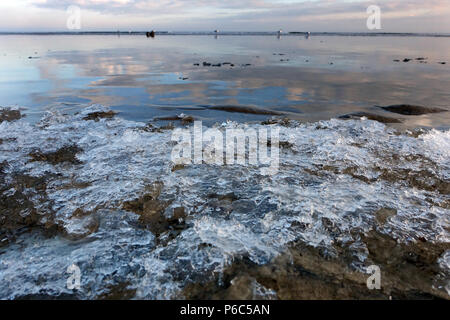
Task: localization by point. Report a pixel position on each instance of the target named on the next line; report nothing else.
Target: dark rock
(442, 62)
(178, 167)
(187, 119)
(96, 116)
(384, 214)
(285, 122)
(206, 64)
(411, 110)
(183, 118)
(370, 116)
(150, 34)
(406, 60)
(65, 154)
(151, 211)
(119, 291)
(305, 272)
(9, 115)
(230, 197)
(18, 213)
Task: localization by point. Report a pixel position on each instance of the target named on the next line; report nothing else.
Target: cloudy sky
(229, 15)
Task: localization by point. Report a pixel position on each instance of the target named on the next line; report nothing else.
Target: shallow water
(143, 78)
(333, 177)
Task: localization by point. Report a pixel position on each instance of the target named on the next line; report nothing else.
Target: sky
(227, 15)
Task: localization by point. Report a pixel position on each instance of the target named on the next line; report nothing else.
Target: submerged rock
(411, 110)
(243, 109)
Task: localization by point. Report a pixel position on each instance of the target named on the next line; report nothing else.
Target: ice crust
(327, 190)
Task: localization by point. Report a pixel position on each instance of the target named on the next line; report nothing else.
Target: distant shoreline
(202, 33)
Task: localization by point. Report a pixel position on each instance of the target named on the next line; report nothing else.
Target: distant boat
(216, 31)
(150, 34)
(280, 31)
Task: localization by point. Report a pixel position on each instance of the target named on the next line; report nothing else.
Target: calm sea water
(309, 79)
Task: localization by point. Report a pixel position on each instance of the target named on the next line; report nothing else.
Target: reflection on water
(308, 79)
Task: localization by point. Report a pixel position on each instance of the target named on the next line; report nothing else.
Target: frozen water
(331, 180)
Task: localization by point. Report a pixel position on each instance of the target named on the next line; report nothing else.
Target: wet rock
(407, 268)
(150, 34)
(301, 272)
(65, 154)
(384, 214)
(421, 59)
(18, 212)
(230, 197)
(178, 167)
(305, 272)
(216, 65)
(119, 291)
(152, 212)
(151, 128)
(406, 60)
(206, 64)
(442, 62)
(96, 116)
(242, 109)
(411, 110)
(370, 116)
(80, 225)
(9, 115)
(396, 60)
(282, 144)
(285, 122)
(185, 119)
(420, 179)
(196, 64)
